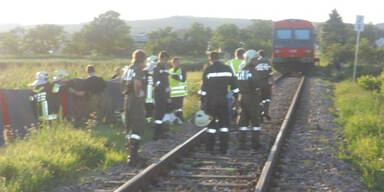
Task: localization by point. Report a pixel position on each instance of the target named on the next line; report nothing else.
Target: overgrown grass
(61, 153)
(191, 102)
(57, 153)
(361, 116)
(19, 72)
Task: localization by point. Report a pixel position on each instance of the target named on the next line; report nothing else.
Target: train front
(293, 46)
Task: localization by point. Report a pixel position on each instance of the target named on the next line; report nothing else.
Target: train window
(302, 34)
(284, 34)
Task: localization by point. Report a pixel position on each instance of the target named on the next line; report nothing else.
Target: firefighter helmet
(59, 75)
(41, 78)
(201, 119)
(249, 55)
(152, 61)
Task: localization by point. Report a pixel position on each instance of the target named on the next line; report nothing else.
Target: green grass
(361, 116)
(49, 157)
(57, 153)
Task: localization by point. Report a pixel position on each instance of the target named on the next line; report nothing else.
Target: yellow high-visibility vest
(178, 88)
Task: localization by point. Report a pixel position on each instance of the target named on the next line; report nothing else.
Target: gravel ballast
(309, 160)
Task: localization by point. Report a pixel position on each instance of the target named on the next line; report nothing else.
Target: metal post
(356, 56)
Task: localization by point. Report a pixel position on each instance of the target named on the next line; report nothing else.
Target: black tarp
(21, 113)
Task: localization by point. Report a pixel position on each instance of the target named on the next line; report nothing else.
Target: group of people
(152, 92)
(234, 95)
(48, 98)
(243, 82)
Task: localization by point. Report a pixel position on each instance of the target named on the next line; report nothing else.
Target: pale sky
(28, 12)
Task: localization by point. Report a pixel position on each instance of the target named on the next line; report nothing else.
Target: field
(59, 152)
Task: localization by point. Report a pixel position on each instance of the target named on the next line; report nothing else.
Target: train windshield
(284, 34)
(302, 34)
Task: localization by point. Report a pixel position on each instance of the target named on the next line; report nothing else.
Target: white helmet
(41, 78)
(249, 55)
(59, 75)
(152, 61)
(201, 119)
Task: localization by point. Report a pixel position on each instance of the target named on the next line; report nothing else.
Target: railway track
(189, 168)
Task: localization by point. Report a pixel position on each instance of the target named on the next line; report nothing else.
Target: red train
(293, 45)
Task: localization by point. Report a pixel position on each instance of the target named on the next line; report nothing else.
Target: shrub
(370, 82)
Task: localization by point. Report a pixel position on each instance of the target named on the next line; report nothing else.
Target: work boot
(255, 137)
(179, 116)
(135, 159)
(210, 143)
(224, 139)
(242, 137)
(157, 132)
(265, 112)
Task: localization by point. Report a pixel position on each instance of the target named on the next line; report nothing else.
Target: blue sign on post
(359, 25)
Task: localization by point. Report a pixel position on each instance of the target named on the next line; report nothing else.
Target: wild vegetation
(59, 152)
(358, 106)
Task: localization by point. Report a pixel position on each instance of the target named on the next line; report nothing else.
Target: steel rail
(138, 182)
(271, 162)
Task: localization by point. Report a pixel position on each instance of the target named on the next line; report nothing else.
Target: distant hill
(182, 22)
(7, 27)
(145, 26)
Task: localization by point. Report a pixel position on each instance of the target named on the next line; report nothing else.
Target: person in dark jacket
(134, 84)
(217, 77)
(161, 94)
(250, 84)
(93, 89)
(265, 72)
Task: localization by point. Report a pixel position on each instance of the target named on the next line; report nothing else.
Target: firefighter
(216, 79)
(42, 98)
(161, 94)
(248, 80)
(149, 101)
(265, 71)
(133, 80)
(178, 86)
(235, 66)
(59, 86)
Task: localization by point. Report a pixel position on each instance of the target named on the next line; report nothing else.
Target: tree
(44, 39)
(196, 39)
(163, 39)
(77, 45)
(107, 34)
(10, 43)
(226, 37)
(258, 35)
(334, 31)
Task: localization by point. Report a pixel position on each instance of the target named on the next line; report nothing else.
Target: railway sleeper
(236, 177)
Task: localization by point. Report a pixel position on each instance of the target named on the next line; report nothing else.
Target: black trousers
(217, 108)
(266, 92)
(177, 106)
(134, 115)
(250, 110)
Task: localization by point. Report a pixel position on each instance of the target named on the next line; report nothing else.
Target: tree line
(108, 35)
(338, 39)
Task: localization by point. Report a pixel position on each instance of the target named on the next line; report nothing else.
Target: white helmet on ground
(249, 55)
(41, 78)
(201, 119)
(59, 75)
